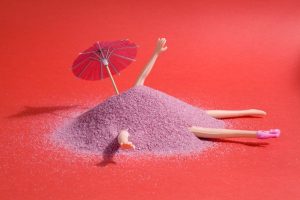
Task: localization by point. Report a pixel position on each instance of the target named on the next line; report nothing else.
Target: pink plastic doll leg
(231, 133)
(222, 114)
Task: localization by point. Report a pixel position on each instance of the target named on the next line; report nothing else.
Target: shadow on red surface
(31, 110)
(252, 144)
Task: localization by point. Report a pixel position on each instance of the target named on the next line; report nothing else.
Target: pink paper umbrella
(104, 59)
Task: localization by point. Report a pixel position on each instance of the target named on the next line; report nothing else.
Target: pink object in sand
(273, 133)
(157, 123)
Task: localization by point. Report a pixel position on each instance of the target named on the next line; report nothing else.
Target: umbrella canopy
(104, 59)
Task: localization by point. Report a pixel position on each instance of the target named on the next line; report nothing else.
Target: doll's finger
(164, 49)
(161, 41)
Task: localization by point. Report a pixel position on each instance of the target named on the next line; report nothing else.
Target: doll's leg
(221, 114)
(123, 140)
(231, 133)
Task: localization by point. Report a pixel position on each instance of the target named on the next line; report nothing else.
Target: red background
(222, 54)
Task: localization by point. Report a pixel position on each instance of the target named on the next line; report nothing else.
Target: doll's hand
(127, 145)
(160, 46)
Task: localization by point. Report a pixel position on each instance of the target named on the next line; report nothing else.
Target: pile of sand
(157, 123)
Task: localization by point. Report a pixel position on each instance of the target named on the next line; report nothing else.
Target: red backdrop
(222, 54)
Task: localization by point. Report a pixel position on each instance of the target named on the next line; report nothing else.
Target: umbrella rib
(78, 64)
(133, 47)
(94, 59)
(107, 56)
(97, 55)
(125, 65)
(108, 49)
(124, 57)
(100, 48)
(84, 69)
(101, 71)
(128, 47)
(115, 69)
(89, 74)
(87, 52)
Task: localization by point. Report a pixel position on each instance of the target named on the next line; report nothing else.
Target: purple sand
(157, 123)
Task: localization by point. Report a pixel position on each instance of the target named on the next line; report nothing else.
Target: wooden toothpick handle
(112, 79)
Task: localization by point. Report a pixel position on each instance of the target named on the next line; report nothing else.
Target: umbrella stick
(112, 80)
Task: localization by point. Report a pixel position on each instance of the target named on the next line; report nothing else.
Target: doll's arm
(160, 47)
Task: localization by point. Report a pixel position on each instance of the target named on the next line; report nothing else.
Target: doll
(202, 132)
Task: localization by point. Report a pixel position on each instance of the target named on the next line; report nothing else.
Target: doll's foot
(273, 133)
(127, 145)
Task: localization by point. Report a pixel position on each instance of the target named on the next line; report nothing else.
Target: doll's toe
(275, 132)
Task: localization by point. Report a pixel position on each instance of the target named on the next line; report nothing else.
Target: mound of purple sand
(157, 123)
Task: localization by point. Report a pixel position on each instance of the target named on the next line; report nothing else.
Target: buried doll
(201, 132)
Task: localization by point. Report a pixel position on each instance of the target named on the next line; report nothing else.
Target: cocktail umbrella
(104, 59)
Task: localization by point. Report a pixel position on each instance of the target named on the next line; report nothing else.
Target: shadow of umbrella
(31, 110)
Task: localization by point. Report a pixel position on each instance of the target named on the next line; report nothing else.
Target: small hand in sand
(124, 141)
(127, 145)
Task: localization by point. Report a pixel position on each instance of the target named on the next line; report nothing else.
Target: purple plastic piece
(273, 133)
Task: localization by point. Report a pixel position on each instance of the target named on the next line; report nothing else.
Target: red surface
(222, 54)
